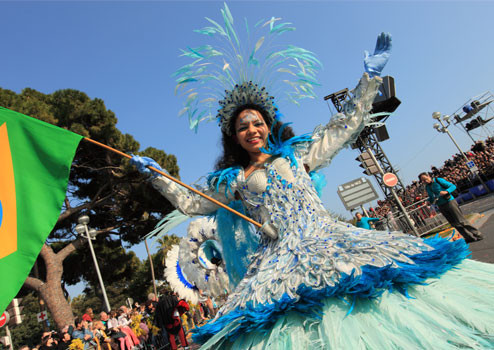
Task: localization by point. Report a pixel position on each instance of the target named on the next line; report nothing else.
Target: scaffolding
(481, 106)
(371, 135)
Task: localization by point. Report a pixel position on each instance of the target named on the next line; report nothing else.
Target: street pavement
(481, 213)
(484, 249)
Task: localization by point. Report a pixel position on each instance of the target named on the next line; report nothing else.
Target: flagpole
(190, 188)
(152, 267)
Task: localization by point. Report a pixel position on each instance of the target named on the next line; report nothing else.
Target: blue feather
(238, 241)
(182, 278)
(285, 149)
(319, 182)
(370, 284)
(247, 62)
(227, 175)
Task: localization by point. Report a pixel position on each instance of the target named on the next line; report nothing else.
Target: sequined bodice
(279, 194)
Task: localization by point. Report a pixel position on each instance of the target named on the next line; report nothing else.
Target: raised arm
(344, 128)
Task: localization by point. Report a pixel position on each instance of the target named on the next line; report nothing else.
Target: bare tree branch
(67, 203)
(33, 283)
(96, 169)
(46, 252)
(92, 203)
(69, 248)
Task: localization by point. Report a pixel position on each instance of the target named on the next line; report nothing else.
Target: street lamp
(444, 129)
(82, 228)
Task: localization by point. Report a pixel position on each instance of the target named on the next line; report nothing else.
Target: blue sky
(126, 52)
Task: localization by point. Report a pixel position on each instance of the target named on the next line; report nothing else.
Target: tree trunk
(51, 290)
(59, 307)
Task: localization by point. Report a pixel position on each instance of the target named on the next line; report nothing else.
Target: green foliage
(30, 330)
(141, 285)
(114, 261)
(135, 284)
(116, 292)
(166, 243)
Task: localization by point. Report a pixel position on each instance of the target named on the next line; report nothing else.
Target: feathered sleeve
(343, 128)
(189, 203)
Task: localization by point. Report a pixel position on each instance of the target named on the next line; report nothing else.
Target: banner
(35, 160)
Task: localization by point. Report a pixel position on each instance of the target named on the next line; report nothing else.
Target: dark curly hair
(233, 153)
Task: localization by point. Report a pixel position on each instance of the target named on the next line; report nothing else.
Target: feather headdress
(239, 69)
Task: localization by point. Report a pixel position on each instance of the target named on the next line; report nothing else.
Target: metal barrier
(425, 219)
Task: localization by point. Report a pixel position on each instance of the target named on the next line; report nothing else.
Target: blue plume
(284, 149)
(182, 278)
(234, 57)
(319, 182)
(238, 241)
(370, 284)
(227, 176)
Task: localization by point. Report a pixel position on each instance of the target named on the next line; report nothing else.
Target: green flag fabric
(35, 160)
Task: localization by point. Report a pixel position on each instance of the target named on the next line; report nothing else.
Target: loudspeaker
(386, 100)
(387, 89)
(381, 133)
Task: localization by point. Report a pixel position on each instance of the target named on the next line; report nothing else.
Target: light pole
(82, 228)
(395, 195)
(444, 129)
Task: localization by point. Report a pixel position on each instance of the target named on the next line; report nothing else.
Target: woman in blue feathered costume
(313, 281)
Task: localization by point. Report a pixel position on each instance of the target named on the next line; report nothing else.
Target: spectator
(364, 222)
(102, 339)
(47, 342)
(103, 316)
(124, 322)
(168, 317)
(88, 316)
(144, 307)
(439, 190)
(115, 333)
(82, 332)
(152, 300)
(65, 340)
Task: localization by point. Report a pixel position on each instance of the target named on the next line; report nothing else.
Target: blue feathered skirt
(449, 309)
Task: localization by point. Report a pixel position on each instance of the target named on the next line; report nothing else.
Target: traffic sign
(4, 319)
(356, 192)
(473, 168)
(390, 179)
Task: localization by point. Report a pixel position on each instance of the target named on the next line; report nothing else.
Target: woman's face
(251, 131)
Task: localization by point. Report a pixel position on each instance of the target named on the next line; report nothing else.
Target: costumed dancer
(313, 281)
(168, 311)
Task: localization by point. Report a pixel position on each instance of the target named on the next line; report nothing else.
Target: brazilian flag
(35, 159)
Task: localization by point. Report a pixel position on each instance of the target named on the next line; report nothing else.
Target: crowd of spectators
(454, 170)
(159, 323)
